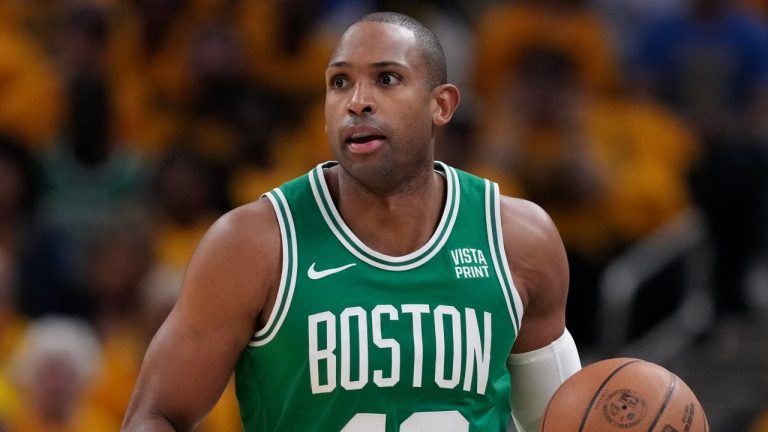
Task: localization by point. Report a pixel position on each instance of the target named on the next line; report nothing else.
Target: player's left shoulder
(534, 249)
(525, 221)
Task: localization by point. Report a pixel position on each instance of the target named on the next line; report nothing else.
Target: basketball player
(381, 292)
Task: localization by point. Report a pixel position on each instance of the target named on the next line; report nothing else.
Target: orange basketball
(624, 395)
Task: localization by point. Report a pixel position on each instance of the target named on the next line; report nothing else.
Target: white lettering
(385, 343)
(467, 256)
(481, 258)
(456, 256)
(362, 346)
(416, 310)
(316, 355)
(439, 314)
(469, 358)
(471, 272)
(475, 350)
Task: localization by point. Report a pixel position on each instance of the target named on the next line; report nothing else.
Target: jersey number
(428, 421)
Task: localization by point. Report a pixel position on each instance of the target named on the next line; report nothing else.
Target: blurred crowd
(128, 126)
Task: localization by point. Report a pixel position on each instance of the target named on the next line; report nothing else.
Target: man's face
(379, 105)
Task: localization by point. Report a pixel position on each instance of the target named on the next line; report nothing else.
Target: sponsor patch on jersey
(469, 263)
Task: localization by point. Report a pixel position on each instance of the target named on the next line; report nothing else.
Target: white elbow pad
(535, 377)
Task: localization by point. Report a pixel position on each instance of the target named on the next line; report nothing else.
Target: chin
(367, 171)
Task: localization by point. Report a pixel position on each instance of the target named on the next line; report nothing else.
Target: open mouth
(363, 138)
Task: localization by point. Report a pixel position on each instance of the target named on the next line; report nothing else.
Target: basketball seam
(599, 389)
(672, 387)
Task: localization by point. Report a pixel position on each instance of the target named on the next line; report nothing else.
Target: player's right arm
(227, 293)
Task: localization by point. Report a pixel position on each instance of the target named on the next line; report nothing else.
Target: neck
(394, 223)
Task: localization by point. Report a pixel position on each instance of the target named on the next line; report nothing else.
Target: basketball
(624, 394)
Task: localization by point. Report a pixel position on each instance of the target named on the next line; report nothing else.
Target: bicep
(539, 269)
(191, 357)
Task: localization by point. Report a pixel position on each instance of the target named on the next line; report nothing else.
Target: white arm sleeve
(535, 377)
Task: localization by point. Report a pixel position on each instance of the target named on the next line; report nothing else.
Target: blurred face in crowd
(55, 387)
(183, 186)
(547, 88)
(81, 42)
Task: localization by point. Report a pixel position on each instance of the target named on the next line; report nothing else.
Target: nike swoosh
(319, 274)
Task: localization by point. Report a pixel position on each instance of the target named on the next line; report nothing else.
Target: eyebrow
(376, 65)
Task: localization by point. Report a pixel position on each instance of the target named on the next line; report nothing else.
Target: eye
(389, 78)
(338, 81)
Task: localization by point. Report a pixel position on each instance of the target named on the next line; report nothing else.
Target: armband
(536, 375)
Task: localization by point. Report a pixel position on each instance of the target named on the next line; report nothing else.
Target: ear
(446, 99)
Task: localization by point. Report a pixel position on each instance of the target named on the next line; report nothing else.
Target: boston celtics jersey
(360, 341)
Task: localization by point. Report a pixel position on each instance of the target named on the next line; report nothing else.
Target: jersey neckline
(377, 259)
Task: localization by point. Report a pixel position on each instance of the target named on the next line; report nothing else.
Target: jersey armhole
(288, 270)
(498, 253)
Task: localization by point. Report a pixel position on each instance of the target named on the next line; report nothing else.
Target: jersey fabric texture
(362, 341)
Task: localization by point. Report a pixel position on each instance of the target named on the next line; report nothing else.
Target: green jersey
(360, 341)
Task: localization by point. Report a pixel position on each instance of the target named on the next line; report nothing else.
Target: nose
(362, 100)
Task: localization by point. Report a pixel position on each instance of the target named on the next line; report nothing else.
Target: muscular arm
(539, 269)
(226, 293)
(544, 354)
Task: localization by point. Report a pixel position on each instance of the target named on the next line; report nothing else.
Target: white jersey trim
(496, 243)
(288, 271)
(370, 256)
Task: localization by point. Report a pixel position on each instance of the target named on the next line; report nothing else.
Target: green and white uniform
(364, 342)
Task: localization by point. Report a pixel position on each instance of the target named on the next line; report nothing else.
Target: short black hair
(431, 51)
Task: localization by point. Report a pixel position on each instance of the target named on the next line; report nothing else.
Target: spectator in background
(608, 170)
(19, 193)
(188, 195)
(34, 255)
(128, 302)
(52, 371)
(287, 46)
(87, 176)
(87, 171)
(508, 29)
(117, 261)
(625, 20)
(287, 43)
(19, 179)
(147, 54)
(230, 118)
(710, 64)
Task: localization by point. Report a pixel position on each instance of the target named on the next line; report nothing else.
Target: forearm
(535, 377)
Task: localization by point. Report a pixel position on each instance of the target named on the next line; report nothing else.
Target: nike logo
(319, 274)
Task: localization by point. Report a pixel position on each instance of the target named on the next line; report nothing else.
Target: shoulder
(527, 228)
(240, 255)
(252, 226)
